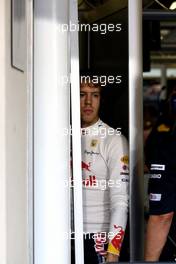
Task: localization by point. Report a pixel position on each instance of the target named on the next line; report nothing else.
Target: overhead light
(173, 6)
(165, 32)
(166, 4)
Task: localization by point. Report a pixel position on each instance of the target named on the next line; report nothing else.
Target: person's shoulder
(113, 135)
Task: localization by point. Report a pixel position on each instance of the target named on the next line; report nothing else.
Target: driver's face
(89, 104)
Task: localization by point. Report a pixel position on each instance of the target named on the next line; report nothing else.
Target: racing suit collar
(92, 127)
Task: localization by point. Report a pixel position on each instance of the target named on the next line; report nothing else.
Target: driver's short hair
(88, 78)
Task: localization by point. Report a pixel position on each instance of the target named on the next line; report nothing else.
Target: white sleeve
(118, 165)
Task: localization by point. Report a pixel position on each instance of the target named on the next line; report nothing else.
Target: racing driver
(105, 176)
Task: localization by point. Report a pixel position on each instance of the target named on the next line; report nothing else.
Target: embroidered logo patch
(94, 143)
(125, 159)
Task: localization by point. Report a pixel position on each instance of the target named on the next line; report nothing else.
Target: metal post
(159, 15)
(136, 131)
(76, 138)
(163, 75)
(51, 142)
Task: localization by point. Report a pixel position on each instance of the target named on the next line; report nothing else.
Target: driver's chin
(88, 120)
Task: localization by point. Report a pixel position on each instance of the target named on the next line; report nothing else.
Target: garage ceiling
(93, 10)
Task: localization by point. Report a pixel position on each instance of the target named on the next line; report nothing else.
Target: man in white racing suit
(105, 175)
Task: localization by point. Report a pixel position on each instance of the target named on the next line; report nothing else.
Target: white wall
(2, 136)
(13, 150)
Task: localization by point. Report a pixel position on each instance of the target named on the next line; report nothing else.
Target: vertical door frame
(136, 131)
(76, 135)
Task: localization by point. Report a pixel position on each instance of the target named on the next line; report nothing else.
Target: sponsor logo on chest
(155, 197)
(157, 167)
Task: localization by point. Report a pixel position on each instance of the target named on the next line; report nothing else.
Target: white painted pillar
(51, 146)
